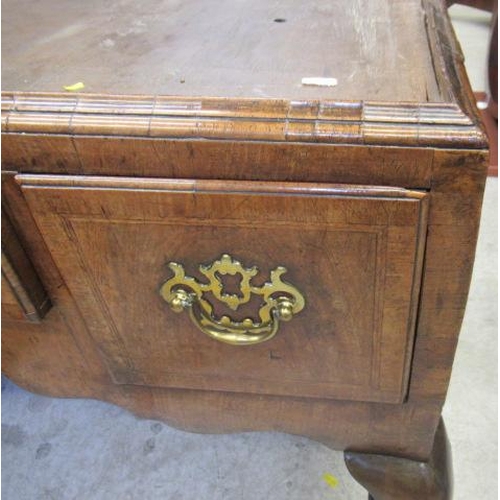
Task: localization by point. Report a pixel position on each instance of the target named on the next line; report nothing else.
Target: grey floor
(87, 450)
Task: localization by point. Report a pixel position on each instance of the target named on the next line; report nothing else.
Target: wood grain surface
(200, 159)
(354, 253)
(194, 137)
(402, 80)
(309, 121)
(220, 48)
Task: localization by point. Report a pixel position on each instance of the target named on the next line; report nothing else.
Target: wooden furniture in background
(196, 139)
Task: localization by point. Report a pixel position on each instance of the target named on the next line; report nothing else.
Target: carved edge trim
(448, 61)
(334, 122)
(58, 181)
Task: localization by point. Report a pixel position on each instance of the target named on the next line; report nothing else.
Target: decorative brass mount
(281, 301)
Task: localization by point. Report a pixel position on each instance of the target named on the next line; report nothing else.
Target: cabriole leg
(393, 478)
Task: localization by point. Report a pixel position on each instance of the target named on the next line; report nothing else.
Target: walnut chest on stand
(198, 232)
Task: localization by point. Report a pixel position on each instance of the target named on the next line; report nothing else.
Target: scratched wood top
(377, 49)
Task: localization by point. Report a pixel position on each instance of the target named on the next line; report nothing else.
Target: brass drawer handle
(281, 301)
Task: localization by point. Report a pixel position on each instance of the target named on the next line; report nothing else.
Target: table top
(377, 49)
(234, 69)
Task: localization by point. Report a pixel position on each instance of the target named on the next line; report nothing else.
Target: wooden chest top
(397, 65)
(377, 50)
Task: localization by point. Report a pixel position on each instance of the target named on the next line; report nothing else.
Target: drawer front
(353, 253)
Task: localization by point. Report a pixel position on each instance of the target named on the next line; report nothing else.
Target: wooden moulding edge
(448, 62)
(275, 120)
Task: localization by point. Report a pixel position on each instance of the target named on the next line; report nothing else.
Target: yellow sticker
(75, 87)
(330, 480)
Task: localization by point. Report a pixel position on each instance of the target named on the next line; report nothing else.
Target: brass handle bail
(281, 301)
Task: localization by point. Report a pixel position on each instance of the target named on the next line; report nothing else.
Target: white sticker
(320, 81)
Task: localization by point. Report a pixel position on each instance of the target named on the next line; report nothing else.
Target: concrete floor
(87, 450)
